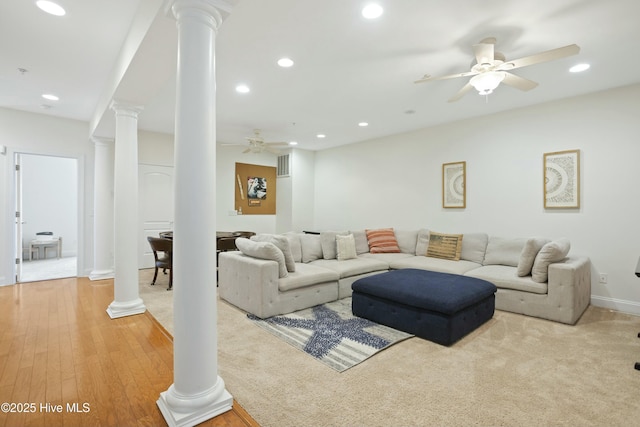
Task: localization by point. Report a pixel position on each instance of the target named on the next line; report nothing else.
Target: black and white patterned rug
(332, 334)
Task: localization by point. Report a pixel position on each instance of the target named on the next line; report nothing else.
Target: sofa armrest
(569, 287)
(250, 284)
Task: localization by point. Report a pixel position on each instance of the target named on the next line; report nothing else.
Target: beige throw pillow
(263, 250)
(346, 247)
(552, 252)
(445, 246)
(529, 253)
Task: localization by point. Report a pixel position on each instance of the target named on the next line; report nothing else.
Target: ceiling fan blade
(518, 82)
(273, 144)
(428, 78)
(466, 88)
(483, 53)
(246, 151)
(549, 55)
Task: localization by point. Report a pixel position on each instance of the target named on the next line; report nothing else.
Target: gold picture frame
(454, 185)
(561, 179)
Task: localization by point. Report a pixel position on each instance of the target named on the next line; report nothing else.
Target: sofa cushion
(362, 244)
(505, 277)
(552, 252)
(387, 257)
(422, 242)
(434, 264)
(263, 250)
(382, 240)
(352, 267)
(504, 251)
(294, 245)
(474, 246)
(528, 255)
(311, 247)
(307, 275)
(406, 240)
(345, 247)
(282, 243)
(445, 246)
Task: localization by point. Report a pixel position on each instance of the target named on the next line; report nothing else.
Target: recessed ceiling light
(51, 7)
(285, 62)
(372, 11)
(293, 143)
(363, 124)
(579, 68)
(242, 88)
(50, 97)
(321, 135)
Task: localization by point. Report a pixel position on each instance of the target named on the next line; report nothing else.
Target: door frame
(10, 247)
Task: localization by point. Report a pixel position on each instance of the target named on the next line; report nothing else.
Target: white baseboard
(624, 306)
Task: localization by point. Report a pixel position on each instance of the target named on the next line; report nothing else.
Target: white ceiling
(347, 69)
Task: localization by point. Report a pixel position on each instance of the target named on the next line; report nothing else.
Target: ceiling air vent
(284, 166)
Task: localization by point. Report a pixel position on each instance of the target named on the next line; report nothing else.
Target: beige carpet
(513, 371)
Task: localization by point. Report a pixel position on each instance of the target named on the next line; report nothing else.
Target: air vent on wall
(284, 167)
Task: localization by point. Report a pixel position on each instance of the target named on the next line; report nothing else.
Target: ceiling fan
(257, 144)
(490, 68)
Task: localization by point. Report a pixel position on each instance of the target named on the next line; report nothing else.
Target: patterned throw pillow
(445, 246)
(382, 240)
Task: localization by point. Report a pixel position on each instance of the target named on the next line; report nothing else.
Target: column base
(128, 308)
(101, 274)
(181, 411)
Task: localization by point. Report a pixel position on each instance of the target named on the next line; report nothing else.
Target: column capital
(125, 109)
(101, 140)
(211, 12)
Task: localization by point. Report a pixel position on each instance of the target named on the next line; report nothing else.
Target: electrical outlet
(603, 278)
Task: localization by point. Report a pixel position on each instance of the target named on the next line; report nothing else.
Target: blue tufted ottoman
(436, 306)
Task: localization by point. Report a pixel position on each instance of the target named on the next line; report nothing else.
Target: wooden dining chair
(163, 255)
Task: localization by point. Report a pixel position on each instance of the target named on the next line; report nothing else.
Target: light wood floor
(59, 346)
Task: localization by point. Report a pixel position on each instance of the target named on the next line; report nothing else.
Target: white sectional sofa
(273, 275)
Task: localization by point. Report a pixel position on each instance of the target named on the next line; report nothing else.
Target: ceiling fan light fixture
(485, 83)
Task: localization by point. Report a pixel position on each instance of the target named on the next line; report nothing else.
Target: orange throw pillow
(382, 240)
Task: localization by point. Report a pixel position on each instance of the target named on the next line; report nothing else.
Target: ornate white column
(102, 210)
(127, 299)
(197, 393)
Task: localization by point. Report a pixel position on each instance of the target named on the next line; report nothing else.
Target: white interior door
(156, 207)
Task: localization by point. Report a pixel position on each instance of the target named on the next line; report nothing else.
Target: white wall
(50, 200)
(40, 134)
(397, 182)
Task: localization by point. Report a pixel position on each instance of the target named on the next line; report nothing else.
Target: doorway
(47, 226)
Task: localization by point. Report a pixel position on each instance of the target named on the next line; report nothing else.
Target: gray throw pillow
(263, 250)
(529, 253)
(311, 247)
(282, 243)
(552, 252)
(422, 242)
